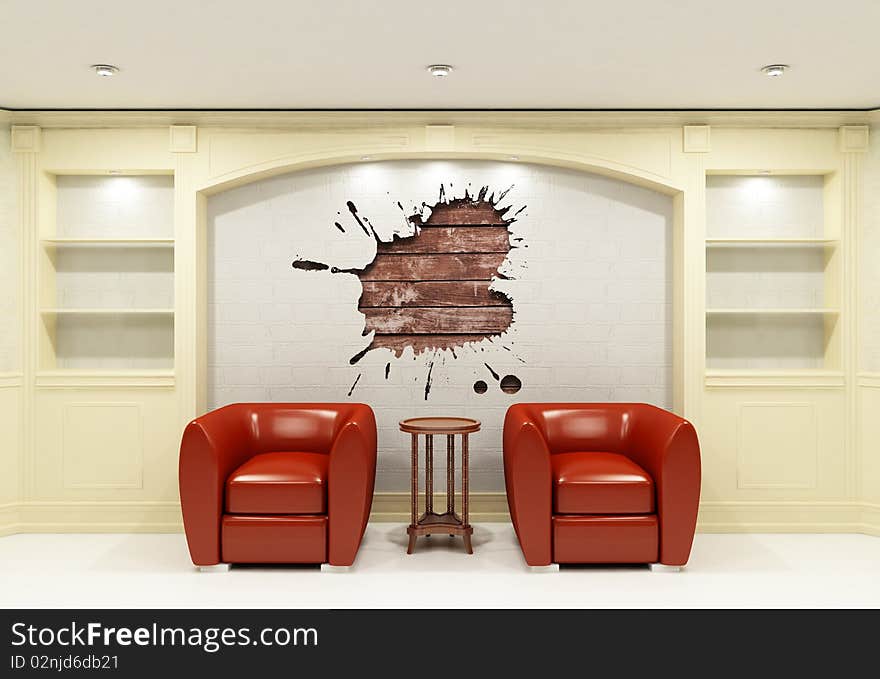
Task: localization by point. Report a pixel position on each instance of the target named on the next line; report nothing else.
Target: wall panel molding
(697, 138)
(183, 138)
(869, 380)
(9, 519)
(26, 138)
(854, 138)
(342, 119)
(118, 428)
(787, 461)
(11, 380)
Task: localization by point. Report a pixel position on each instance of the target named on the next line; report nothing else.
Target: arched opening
(590, 277)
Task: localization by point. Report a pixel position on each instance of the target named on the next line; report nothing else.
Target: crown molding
(511, 119)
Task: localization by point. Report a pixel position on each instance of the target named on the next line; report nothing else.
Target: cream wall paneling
(641, 148)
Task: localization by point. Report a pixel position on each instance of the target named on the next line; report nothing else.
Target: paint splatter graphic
(431, 284)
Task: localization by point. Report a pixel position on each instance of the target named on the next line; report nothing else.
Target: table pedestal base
(448, 523)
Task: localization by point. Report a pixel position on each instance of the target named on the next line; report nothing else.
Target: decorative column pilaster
(26, 144)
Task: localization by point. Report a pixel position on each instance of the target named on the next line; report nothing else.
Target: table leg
(464, 480)
(414, 518)
(450, 473)
(467, 543)
(429, 474)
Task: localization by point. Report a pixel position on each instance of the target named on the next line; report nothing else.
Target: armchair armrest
(351, 478)
(666, 446)
(212, 446)
(528, 479)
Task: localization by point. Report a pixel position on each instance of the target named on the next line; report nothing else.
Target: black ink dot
(480, 387)
(510, 384)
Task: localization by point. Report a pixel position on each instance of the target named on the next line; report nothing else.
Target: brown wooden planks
(397, 343)
(465, 212)
(473, 239)
(438, 320)
(445, 267)
(430, 294)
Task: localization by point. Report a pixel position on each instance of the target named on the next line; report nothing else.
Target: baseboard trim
(780, 517)
(870, 519)
(483, 507)
(100, 517)
(9, 519)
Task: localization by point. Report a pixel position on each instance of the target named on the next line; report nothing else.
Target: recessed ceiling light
(775, 70)
(105, 70)
(513, 157)
(366, 157)
(440, 70)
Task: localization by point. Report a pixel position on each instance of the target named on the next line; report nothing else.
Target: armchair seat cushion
(600, 483)
(279, 483)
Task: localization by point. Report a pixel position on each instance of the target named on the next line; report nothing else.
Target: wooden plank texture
(465, 267)
(460, 239)
(438, 320)
(430, 294)
(465, 212)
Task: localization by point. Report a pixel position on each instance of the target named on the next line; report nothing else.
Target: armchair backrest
(302, 427)
(571, 427)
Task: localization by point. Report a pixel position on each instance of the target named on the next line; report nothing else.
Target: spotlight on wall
(105, 70)
(774, 70)
(440, 70)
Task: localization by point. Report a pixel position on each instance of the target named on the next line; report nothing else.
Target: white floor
(135, 570)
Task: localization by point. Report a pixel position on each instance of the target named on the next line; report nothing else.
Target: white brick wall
(591, 299)
(870, 262)
(10, 328)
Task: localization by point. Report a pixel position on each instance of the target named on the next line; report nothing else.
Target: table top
(440, 425)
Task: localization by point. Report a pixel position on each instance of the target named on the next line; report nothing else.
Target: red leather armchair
(601, 482)
(278, 482)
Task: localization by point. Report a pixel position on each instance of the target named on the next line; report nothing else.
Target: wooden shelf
(772, 312)
(115, 242)
(797, 378)
(90, 312)
(758, 242)
(65, 378)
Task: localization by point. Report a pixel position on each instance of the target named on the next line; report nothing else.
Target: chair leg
(215, 568)
(329, 568)
(663, 568)
(552, 568)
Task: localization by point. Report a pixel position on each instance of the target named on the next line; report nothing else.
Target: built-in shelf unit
(772, 274)
(106, 263)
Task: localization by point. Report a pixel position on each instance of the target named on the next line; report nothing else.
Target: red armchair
(601, 483)
(278, 483)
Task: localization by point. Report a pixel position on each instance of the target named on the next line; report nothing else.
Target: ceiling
(516, 54)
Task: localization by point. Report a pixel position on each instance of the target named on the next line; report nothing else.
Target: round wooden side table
(430, 521)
